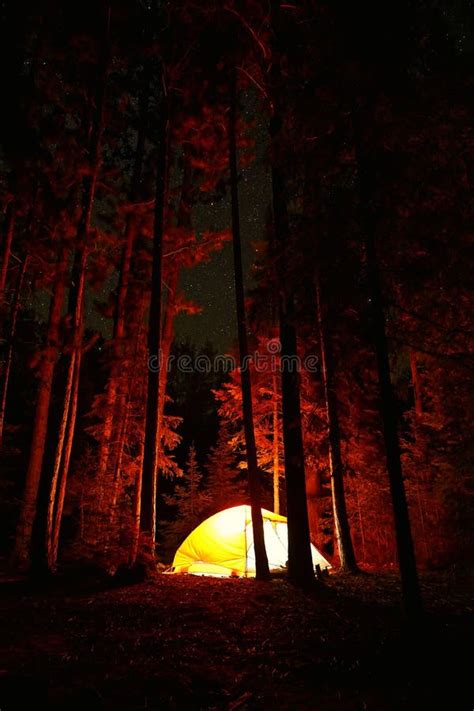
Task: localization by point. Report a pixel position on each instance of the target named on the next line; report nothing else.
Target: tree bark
(10, 215)
(276, 448)
(65, 441)
(300, 564)
(137, 499)
(57, 468)
(167, 338)
(21, 553)
(406, 554)
(361, 524)
(123, 422)
(420, 481)
(130, 232)
(11, 338)
(261, 561)
(169, 312)
(152, 434)
(415, 379)
(53, 538)
(345, 548)
(121, 449)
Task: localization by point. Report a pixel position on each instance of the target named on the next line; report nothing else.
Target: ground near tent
(206, 643)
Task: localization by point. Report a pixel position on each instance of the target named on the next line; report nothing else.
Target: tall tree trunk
(57, 464)
(21, 553)
(9, 225)
(152, 434)
(361, 523)
(123, 420)
(53, 537)
(132, 360)
(341, 522)
(169, 312)
(14, 311)
(261, 561)
(406, 554)
(11, 339)
(415, 379)
(65, 441)
(276, 447)
(165, 349)
(137, 500)
(300, 564)
(121, 450)
(420, 481)
(57, 488)
(167, 338)
(130, 232)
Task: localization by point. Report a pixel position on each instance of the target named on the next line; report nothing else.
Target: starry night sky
(212, 285)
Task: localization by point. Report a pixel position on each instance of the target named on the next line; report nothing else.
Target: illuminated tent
(223, 545)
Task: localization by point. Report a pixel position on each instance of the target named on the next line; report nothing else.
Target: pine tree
(190, 502)
(223, 483)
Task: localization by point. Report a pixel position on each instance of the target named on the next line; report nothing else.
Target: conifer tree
(190, 501)
(224, 482)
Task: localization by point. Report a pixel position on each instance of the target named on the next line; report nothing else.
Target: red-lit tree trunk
(120, 452)
(11, 338)
(62, 460)
(276, 447)
(173, 273)
(420, 482)
(300, 564)
(57, 463)
(406, 553)
(166, 340)
(136, 510)
(21, 552)
(136, 505)
(123, 421)
(167, 336)
(58, 483)
(61, 481)
(361, 523)
(261, 561)
(152, 434)
(345, 548)
(167, 332)
(9, 228)
(415, 380)
(111, 414)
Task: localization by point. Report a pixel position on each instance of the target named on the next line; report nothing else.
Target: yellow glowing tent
(223, 545)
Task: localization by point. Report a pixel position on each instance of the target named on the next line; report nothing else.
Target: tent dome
(223, 545)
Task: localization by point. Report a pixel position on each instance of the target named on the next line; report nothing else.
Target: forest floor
(202, 643)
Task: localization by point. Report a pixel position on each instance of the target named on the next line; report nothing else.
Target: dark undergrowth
(203, 643)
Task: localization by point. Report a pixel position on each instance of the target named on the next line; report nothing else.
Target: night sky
(212, 285)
